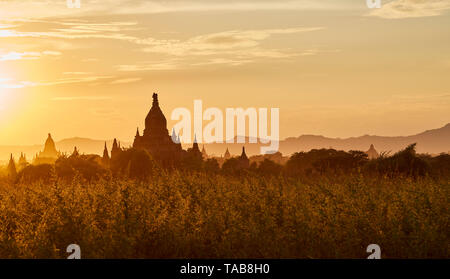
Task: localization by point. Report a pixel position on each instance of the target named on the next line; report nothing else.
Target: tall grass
(179, 215)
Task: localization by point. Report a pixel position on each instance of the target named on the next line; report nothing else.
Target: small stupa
(372, 153)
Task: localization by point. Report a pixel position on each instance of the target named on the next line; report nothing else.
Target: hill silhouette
(432, 141)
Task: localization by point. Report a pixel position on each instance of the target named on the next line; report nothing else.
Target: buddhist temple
(49, 154)
(227, 155)
(11, 169)
(372, 153)
(243, 159)
(156, 139)
(204, 154)
(105, 158)
(22, 162)
(115, 150)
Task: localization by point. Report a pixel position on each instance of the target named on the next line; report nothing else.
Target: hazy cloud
(398, 9)
(125, 80)
(27, 55)
(81, 98)
(160, 66)
(233, 47)
(39, 9)
(77, 73)
(223, 42)
(9, 83)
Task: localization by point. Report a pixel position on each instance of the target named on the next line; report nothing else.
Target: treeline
(139, 165)
(406, 163)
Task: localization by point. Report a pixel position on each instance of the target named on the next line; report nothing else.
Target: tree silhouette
(133, 163)
(87, 166)
(32, 173)
(211, 166)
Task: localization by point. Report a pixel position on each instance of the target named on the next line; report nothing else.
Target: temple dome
(50, 147)
(155, 122)
(49, 154)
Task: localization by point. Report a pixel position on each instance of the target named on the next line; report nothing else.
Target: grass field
(179, 215)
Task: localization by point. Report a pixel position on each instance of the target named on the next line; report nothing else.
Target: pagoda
(372, 153)
(156, 139)
(49, 155)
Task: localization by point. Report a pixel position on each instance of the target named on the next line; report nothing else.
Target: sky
(333, 68)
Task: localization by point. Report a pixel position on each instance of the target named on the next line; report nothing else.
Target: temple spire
(105, 158)
(115, 145)
(244, 161)
(115, 149)
(204, 154)
(105, 152)
(243, 155)
(12, 171)
(22, 160)
(195, 145)
(155, 100)
(227, 154)
(75, 152)
(137, 132)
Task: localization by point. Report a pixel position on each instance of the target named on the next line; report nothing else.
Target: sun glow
(4, 94)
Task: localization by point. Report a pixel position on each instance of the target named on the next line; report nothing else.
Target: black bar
(227, 268)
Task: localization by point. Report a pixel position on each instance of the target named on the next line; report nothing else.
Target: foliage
(322, 204)
(179, 215)
(404, 162)
(211, 166)
(135, 164)
(325, 161)
(87, 167)
(32, 173)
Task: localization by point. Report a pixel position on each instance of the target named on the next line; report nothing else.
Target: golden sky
(334, 68)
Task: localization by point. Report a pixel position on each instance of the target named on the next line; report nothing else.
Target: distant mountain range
(432, 141)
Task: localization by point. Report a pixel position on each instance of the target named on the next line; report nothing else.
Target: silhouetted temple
(75, 152)
(204, 153)
(243, 159)
(115, 150)
(11, 169)
(372, 153)
(227, 154)
(156, 139)
(22, 161)
(105, 158)
(49, 155)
